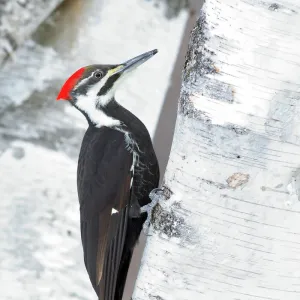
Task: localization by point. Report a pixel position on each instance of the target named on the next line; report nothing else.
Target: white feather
(131, 182)
(132, 168)
(114, 211)
(87, 103)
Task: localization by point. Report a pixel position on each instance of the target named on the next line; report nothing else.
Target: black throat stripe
(109, 84)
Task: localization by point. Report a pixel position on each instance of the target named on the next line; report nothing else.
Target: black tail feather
(134, 229)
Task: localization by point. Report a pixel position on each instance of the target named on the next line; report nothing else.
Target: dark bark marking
(274, 7)
(167, 222)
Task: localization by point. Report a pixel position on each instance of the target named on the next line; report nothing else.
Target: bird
(117, 169)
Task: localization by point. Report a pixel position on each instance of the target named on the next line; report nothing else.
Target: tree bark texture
(227, 226)
(18, 19)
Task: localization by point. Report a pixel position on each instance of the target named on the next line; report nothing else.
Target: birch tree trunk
(228, 226)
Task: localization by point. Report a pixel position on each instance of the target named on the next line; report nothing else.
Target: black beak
(135, 62)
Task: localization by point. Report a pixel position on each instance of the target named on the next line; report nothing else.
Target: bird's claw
(156, 193)
(154, 196)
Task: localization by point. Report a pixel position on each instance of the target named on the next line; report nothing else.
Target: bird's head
(94, 86)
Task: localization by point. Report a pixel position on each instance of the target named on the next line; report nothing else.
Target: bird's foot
(155, 195)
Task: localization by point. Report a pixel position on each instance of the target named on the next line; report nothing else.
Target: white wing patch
(131, 182)
(114, 211)
(132, 168)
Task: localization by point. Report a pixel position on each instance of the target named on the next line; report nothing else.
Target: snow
(32, 69)
(19, 19)
(40, 226)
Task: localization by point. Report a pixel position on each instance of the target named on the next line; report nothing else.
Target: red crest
(64, 93)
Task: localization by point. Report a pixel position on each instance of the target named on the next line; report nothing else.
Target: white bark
(18, 19)
(229, 228)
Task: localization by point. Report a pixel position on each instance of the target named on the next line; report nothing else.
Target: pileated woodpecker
(117, 169)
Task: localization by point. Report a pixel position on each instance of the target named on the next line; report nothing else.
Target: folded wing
(104, 179)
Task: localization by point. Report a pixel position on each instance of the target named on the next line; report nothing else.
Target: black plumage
(104, 183)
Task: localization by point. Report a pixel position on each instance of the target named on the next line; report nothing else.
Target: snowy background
(40, 249)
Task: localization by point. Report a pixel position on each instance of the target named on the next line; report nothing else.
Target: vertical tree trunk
(228, 226)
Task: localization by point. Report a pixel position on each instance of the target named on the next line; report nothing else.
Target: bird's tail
(107, 287)
(133, 232)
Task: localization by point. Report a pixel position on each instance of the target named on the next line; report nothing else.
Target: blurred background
(40, 246)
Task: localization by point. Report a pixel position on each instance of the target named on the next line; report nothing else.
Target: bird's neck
(128, 121)
(135, 132)
(112, 114)
(116, 111)
(95, 114)
(115, 116)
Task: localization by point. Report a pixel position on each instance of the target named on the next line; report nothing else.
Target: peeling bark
(229, 229)
(18, 19)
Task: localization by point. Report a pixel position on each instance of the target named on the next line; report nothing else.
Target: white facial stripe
(88, 104)
(93, 90)
(83, 81)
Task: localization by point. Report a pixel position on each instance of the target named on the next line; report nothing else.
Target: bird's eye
(98, 74)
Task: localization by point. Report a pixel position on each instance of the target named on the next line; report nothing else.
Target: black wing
(104, 180)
